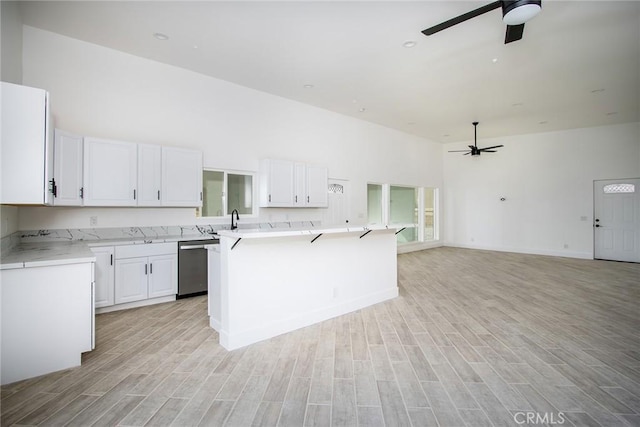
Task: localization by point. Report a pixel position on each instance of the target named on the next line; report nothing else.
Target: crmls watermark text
(530, 417)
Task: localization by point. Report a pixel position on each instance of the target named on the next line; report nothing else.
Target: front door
(617, 219)
(338, 210)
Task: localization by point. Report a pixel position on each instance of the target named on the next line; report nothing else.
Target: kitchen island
(263, 283)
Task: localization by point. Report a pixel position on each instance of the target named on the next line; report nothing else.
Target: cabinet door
(149, 174)
(104, 276)
(67, 169)
(163, 275)
(300, 185)
(110, 173)
(317, 186)
(131, 280)
(181, 177)
(26, 148)
(278, 183)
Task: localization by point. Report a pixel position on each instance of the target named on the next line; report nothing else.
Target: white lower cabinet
(104, 276)
(46, 319)
(145, 271)
(131, 280)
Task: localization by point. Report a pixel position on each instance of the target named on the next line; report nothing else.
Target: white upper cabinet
(317, 181)
(277, 186)
(287, 184)
(67, 169)
(300, 185)
(181, 177)
(149, 175)
(26, 148)
(110, 173)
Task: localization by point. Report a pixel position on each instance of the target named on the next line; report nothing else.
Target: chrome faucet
(233, 224)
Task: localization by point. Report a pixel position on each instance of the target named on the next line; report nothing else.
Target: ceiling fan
(514, 14)
(474, 150)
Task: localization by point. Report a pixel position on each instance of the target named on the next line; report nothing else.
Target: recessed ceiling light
(494, 60)
(597, 90)
(411, 123)
(544, 122)
(195, 46)
(446, 135)
(517, 104)
(409, 44)
(308, 86)
(612, 113)
(362, 110)
(161, 36)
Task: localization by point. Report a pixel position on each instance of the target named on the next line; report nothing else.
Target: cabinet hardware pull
(134, 194)
(82, 192)
(307, 199)
(111, 259)
(269, 198)
(158, 194)
(150, 268)
(296, 199)
(201, 196)
(145, 269)
(53, 188)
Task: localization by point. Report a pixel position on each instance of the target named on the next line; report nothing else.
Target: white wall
(547, 180)
(106, 93)
(10, 42)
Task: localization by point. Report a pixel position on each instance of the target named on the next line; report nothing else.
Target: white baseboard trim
(244, 338)
(135, 304)
(565, 254)
(414, 247)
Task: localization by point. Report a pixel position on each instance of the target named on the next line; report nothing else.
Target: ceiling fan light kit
(519, 12)
(514, 13)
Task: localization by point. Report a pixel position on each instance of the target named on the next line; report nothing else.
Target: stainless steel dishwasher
(192, 267)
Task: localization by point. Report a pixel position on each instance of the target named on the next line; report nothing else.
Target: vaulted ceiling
(578, 64)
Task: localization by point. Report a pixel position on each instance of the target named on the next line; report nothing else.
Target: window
(225, 191)
(429, 214)
(212, 193)
(415, 208)
(619, 188)
(240, 193)
(403, 209)
(374, 204)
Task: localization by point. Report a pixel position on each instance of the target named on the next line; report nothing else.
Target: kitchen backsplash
(188, 231)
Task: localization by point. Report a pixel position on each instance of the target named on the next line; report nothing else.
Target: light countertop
(27, 255)
(285, 232)
(40, 254)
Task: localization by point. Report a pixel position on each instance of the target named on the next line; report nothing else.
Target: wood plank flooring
(475, 338)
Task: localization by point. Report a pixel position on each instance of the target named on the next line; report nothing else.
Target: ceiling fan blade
(464, 17)
(514, 33)
(457, 151)
(467, 153)
(491, 148)
(489, 151)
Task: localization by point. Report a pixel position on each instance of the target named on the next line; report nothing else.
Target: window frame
(225, 186)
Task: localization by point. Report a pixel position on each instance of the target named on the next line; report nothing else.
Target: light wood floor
(476, 338)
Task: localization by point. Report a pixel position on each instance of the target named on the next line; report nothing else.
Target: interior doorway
(617, 219)
(338, 200)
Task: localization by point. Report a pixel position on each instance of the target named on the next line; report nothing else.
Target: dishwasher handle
(186, 247)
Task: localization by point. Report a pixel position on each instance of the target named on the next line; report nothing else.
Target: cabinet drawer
(150, 249)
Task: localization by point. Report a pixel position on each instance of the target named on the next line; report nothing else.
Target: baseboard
(135, 304)
(565, 254)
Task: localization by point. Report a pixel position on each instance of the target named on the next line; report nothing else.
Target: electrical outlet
(93, 221)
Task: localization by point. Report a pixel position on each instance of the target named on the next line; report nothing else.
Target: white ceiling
(578, 64)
